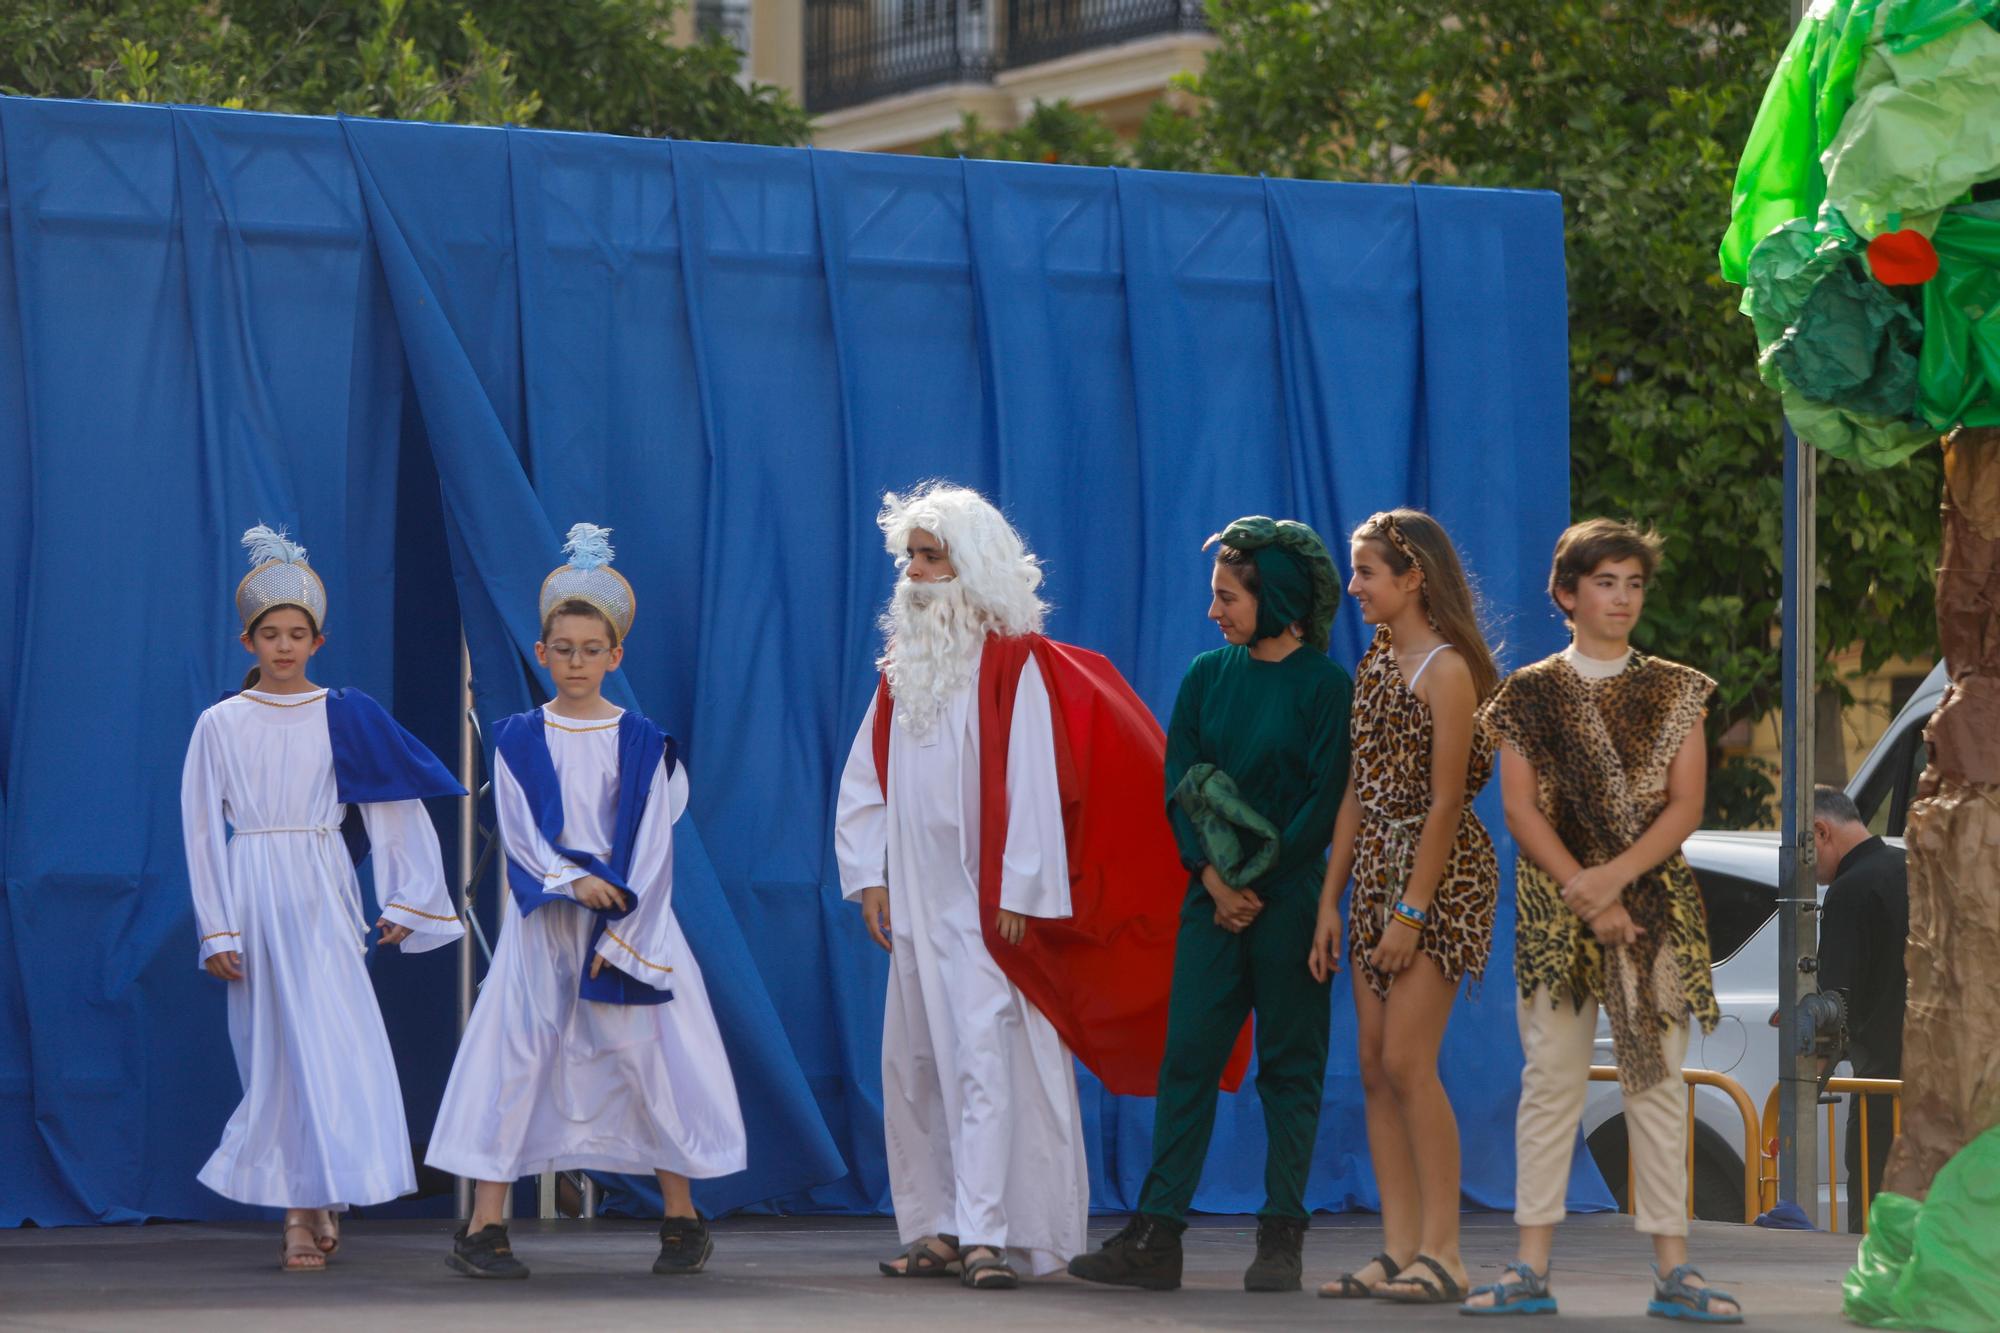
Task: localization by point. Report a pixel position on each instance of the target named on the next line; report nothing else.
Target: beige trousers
(1558, 1041)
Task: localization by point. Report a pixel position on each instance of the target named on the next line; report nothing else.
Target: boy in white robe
(593, 1045)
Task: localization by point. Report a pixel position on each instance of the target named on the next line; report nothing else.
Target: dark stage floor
(818, 1273)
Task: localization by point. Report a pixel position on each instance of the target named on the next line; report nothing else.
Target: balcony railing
(861, 50)
(1039, 30)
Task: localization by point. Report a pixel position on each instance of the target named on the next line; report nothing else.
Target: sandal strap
(1446, 1287)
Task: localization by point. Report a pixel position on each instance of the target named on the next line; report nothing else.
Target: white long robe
(979, 1102)
(321, 1121)
(546, 1080)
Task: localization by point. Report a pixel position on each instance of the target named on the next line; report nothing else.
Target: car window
(1884, 800)
(1737, 909)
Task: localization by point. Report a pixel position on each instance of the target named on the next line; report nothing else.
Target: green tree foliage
(1055, 132)
(576, 65)
(1635, 114)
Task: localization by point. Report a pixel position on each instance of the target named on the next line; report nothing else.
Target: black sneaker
(1278, 1265)
(1146, 1254)
(684, 1246)
(485, 1253)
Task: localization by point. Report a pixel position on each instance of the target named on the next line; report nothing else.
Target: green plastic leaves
(1872, 277)
(1959, 372)
(1924, 128)
(1930, 1265)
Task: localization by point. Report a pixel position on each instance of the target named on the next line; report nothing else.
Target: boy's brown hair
(1586, 545)
(576, 606)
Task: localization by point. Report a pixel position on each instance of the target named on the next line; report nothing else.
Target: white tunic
(321, 1120)
(548, 1081)
(979, 1102)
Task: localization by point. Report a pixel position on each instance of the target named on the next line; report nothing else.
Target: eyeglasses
(589, 652)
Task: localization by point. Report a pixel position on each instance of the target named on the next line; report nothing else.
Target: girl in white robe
(278, 912)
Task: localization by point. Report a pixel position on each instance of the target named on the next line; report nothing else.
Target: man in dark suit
(1864, 926)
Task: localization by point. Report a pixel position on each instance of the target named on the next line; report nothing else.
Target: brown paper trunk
(1951, 1032)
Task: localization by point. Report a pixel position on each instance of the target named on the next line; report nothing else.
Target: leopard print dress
(1391, 730)
(1601, 750)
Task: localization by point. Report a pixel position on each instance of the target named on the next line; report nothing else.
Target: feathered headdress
(279, 576)
(589, 578)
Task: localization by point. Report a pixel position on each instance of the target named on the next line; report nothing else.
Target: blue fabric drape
(430, 349)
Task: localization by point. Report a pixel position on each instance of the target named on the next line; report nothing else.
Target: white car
(1738, 875)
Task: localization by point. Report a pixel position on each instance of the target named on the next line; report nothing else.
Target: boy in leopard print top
(1602, 770)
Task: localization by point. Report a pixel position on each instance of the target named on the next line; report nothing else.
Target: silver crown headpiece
(589, 578)
(279, 576)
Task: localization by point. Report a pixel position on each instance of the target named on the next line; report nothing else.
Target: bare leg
(676, 1194)
(489, 1206)
(1388, 1138)
(1416, 1011)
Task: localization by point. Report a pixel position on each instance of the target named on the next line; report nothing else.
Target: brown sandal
(305, 1258)
(329, 1239)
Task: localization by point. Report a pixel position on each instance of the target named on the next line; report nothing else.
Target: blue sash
(522, 740)
(375, 760)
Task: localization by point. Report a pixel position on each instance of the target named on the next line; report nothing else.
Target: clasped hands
(599, 895)
(1593, 894)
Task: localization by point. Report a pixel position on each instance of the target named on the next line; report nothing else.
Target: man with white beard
(1005, 954)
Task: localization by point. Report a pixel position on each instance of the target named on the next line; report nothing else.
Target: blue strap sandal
(1673, 1298)
(1530, 1295)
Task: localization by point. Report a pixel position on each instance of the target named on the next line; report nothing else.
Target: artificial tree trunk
(1951, 1034)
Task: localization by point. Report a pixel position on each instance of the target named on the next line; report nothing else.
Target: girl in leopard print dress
(1425, 883)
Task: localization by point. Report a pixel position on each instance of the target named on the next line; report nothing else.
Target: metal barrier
(1704, 1078)
(1767, 1175)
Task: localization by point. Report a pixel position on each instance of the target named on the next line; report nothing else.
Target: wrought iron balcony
(861, 50)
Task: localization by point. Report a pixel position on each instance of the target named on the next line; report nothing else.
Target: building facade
(892, 75)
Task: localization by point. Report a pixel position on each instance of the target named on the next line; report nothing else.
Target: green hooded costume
(1256, 769)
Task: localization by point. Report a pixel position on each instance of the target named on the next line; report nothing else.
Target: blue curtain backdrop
(430, 349)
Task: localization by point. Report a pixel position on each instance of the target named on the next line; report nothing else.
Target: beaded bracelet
(1410, 916)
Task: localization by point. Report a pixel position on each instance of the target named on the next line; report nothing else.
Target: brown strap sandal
(922, 1260)
(301, 1257)
(328, 1237)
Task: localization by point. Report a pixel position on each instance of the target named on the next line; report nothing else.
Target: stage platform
(819, 1273)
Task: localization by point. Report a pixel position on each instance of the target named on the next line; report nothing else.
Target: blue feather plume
(265, 545)
(588, 547)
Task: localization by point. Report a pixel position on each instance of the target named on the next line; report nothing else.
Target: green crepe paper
(1924, 129)
(1871, 441)
(1781, 274)
(1958, 374)
(1778, 178)
(1826, 328)
(1854, 345)
(1908, 24)
(1931, 1265)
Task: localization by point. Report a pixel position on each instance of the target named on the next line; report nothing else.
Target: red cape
(1101, 976)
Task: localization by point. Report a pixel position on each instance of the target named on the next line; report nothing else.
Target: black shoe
(1147, 1254)
(684, 1246)
(485, 1253)
(1278, 1264)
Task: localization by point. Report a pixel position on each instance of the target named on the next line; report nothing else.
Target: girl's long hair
(1447, 593)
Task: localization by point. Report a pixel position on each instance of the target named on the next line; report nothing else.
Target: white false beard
(934, 639)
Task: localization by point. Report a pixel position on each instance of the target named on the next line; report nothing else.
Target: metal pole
(468, 839)
(1798, 927)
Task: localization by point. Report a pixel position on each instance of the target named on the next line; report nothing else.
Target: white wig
(997, 571)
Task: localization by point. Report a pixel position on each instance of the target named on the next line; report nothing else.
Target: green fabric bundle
(1240, 843)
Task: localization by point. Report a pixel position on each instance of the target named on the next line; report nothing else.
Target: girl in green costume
(1256, 765)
